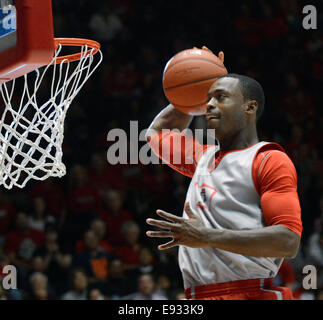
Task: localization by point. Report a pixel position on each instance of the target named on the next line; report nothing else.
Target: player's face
(225, 108)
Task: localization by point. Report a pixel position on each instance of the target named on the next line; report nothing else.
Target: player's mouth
(212, 117)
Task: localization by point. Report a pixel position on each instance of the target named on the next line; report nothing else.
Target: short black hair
(251, 90)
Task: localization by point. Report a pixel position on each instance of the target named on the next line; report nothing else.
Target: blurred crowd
(83, 236)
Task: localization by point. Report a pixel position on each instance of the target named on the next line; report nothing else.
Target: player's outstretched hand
(220, 54)
(187, 232)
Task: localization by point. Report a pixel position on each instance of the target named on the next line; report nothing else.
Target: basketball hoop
(32, 125)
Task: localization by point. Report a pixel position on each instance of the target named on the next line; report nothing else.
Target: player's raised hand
(187, 232)
(220, 54)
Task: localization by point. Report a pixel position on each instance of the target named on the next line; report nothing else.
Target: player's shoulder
(272, 167)
(270, 146)
(272, 155)
(273, 151)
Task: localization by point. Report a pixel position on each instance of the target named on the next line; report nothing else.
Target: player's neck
(241, 140)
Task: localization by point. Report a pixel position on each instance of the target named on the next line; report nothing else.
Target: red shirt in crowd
(114, 223)
(84, 199)
(110, 178)
(23, 244)
(128, 254)
(53, 195)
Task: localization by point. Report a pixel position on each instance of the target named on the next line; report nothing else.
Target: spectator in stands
(40, 216)
(119, 283)
(164, 285)
(50, 259)
(146, 263)
(54, 196)
(21, 244)
(98, 226)
(146, 290)
(95, 294)
(79, 286)
(179, 295)
(129, 252)
(40, 287)
(94, 259)
(158, 183)
(149, 263)
(114, 216)
(83, 198)
(104, 177)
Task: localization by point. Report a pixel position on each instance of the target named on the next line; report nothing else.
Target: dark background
(262, 39)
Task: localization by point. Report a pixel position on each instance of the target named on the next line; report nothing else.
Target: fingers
(160, 234)
(206, 48)
(169, 216)
(162, 224)
(168, 245)
(188, 210)
(221, 56)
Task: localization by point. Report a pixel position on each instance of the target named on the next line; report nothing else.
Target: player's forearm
(272, 241)
(169, 118)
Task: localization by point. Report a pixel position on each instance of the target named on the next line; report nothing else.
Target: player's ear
(251, 107)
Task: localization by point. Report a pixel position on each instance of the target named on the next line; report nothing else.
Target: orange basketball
(188, 77)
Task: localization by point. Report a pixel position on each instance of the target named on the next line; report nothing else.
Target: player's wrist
(211, 236)
(177, 112)
(170, 118)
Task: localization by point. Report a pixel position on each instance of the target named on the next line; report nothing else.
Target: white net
(32, 118)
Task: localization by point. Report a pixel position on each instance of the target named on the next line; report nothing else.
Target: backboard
(38, 83)
(26, 36)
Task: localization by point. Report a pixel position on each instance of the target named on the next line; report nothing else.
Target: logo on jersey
(206, 200)
(203, 194)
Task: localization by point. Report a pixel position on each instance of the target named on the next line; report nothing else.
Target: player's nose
(210, 106)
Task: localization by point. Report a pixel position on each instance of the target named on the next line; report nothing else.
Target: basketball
(187, 79)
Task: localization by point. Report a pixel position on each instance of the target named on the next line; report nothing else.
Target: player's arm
(272, 241)
(177, 148)
(281, 210)
(169, 118)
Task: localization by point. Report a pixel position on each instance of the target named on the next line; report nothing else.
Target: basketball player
(242, 214)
